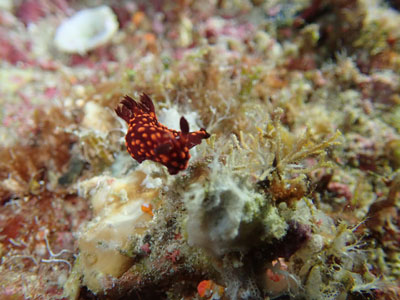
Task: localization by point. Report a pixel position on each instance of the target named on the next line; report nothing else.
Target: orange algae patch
(204, 287)
(138, 17)
(147, 208)
(208, 288)
(274, 276)
(149, 38)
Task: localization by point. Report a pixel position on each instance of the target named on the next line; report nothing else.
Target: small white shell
(86, 30)
(6, 4)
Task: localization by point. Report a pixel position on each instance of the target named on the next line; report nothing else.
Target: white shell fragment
(6, 4)
(86, 30)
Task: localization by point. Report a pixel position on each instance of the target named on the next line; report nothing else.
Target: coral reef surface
(294, 195)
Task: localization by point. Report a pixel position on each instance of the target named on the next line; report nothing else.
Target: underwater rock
(224, 215)
(107, 241)
(86, 30)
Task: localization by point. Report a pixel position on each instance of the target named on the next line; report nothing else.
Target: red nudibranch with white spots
(148, 139)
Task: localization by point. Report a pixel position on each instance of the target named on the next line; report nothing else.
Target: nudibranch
(149, 139)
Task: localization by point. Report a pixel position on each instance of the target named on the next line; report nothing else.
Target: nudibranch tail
(196, 137)
(148, 139)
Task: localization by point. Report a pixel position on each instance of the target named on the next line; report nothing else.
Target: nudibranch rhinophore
(148, 139)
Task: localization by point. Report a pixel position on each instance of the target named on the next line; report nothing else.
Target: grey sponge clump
(224, 215)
